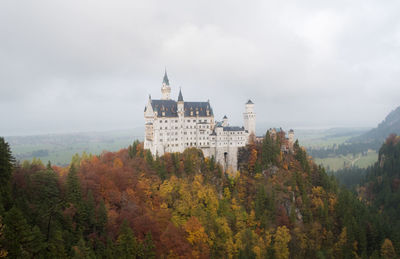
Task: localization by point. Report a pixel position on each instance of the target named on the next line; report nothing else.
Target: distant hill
(391, 124)
(360, 147)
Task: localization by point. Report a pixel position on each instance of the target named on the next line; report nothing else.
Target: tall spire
(165, 80)
(165, 88)
(180, 97)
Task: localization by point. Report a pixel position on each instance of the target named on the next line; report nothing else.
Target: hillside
(126, 204)
(356, 151)
(391, 124)
(382, 182)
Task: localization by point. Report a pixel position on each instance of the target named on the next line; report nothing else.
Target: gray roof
(169, 107)
(166, 106)
(233, 128)
(249, 102)
(198, 109)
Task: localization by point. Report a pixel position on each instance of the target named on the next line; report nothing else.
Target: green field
(335, 163)
(328, 138)
(59, 148)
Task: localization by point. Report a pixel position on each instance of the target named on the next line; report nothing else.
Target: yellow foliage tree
(281, 239)
(197, 237)
(340, 244)
(387, 249)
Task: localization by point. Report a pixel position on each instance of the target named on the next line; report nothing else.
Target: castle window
(166, 121)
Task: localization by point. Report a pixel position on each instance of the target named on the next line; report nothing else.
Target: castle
(173, 126)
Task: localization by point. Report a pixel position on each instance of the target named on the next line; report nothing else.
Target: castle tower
(291, 139)
(180, 103)
(165, 89)
(250, 118)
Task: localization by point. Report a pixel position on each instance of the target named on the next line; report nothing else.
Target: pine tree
(133, 149)
(56, 246)
(18, 236)
(6, 167)
(148, 247)
(74, 195)
(88, 213)
(127, 246)
(101, 222)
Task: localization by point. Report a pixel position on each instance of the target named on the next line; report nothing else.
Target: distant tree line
(345, 149)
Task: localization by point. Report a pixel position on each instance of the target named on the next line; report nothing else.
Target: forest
(128, 204)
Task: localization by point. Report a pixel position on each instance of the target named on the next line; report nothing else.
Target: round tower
(291, 138)
(165, 89)
(250, 118)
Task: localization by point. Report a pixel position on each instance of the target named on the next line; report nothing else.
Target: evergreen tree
(19, 240)
(268, 150)
(74, 195)
(6, 167)
(133, 149)
(127, 246)
(56, 247)
(89, 213)
(101, 222)
(148, 247)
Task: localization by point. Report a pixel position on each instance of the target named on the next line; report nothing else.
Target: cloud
(74, 66)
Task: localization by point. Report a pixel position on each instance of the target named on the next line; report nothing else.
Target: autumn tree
(281, 240)
(387, 249)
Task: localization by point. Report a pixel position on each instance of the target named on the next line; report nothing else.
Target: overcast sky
(68, 66)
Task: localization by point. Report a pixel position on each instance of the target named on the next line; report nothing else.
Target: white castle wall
(175, 134)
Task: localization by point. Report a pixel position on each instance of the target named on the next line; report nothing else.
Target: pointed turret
(180, 97)
(148, 110)
(181, 104)
(165, 80)
(165, 89)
